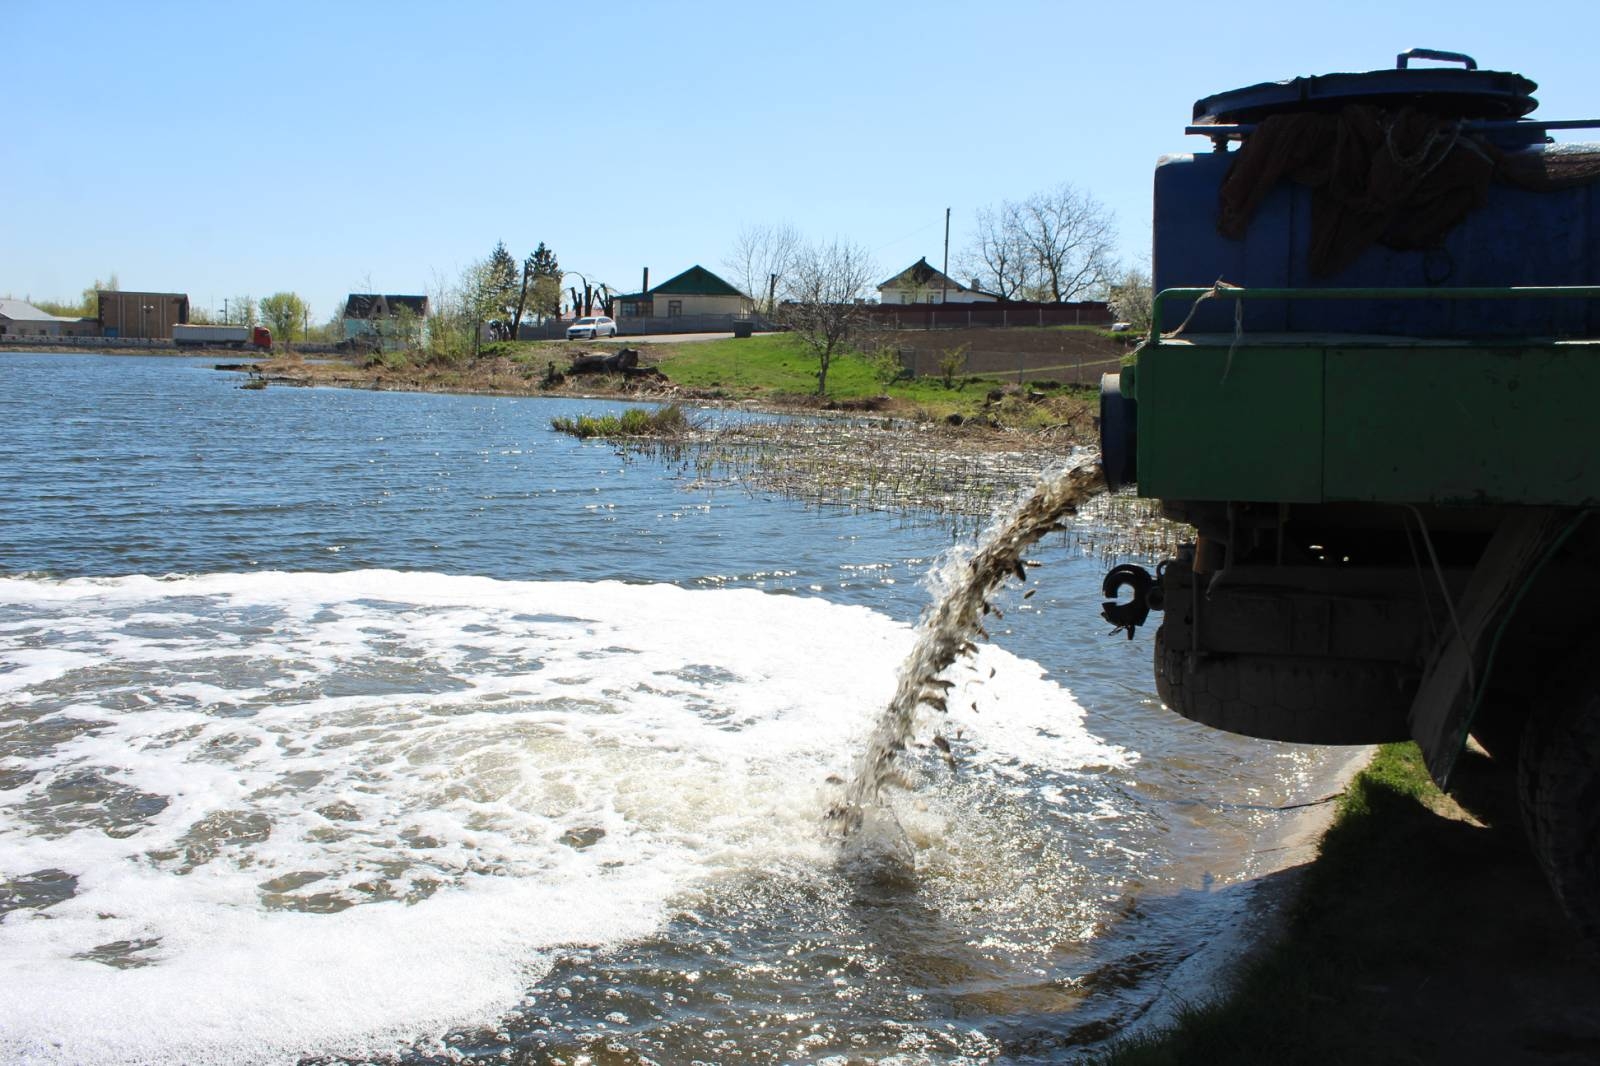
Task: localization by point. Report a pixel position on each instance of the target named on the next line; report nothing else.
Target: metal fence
(556, 329)
(982, 316)
(1069, 368)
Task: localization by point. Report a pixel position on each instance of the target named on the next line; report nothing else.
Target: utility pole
(945, 285)
(224, 310)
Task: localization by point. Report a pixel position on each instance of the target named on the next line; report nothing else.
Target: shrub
(952, 363)
(885, 365)
(668, 421)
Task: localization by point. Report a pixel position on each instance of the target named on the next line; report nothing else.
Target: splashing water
(944, 634)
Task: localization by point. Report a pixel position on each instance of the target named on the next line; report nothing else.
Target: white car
(592, 328)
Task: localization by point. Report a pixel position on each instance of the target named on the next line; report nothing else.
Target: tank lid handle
(1404, 58)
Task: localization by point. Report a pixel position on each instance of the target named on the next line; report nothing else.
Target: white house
(19, 318)
(697, 291)
(923, 283)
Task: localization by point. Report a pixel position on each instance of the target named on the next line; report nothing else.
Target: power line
(908, 236)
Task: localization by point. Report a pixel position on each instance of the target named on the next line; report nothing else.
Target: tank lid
(1460, 92)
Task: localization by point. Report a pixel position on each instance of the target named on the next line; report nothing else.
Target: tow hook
(1131, 615)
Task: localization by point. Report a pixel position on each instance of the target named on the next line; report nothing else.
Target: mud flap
(1441, 713)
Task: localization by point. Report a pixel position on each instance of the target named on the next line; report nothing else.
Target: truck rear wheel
(1559, 785)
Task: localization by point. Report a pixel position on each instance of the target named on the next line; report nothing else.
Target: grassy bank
(773, 371)
(776, 370)
(1422, 933)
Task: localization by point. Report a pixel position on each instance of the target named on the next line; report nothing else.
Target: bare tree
(444, 336)
(762, 253)
(824, 299)
(1072, 238)
(1055, 245)
(241, 311)
(583, 301)
(999, 256)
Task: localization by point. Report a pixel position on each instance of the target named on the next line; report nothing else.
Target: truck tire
(1304, 700)
(1559, 785)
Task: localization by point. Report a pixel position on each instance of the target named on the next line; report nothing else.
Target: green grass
(1308, 998)
(536, 352)
(778, 365)
(772, 363)
(778, 368)
(668, 421)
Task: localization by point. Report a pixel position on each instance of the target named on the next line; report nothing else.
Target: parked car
(593, 328)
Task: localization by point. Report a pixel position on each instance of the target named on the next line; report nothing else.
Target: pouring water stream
(946, 631)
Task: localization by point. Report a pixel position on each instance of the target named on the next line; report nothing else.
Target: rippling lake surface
(359, 726)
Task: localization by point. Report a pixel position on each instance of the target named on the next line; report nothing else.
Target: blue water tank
(1516, 237)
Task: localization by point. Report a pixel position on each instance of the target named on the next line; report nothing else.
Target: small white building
(18, 318)
(923, 283)
(695, 292)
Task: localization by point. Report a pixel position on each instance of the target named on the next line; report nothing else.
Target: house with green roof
(694, 293)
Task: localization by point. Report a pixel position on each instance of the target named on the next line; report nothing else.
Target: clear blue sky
(220, 149)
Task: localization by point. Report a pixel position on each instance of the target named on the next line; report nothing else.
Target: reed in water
(946, 631)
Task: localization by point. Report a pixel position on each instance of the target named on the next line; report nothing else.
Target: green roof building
(695, 292)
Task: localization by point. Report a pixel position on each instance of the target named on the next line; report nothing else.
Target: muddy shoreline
(499, 376)
(874, 454)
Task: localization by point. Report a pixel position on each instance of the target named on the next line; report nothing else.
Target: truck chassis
(1393, 539)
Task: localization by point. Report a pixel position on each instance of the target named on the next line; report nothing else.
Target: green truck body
(1392, 477)
(1323, 418)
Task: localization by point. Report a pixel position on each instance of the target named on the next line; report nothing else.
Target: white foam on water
(337, 813)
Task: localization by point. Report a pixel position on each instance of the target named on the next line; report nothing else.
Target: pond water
(359, 726)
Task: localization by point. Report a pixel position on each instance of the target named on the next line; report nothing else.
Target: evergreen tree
(541, 286)
(502, 295)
